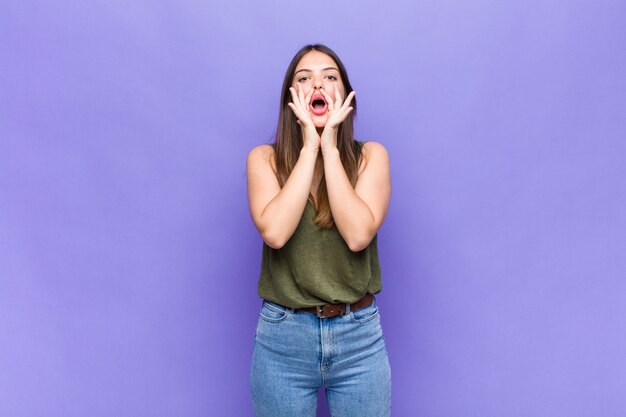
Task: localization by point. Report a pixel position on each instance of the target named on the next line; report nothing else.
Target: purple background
(128, 260)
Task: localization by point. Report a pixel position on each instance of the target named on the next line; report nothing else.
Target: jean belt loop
(347, 309)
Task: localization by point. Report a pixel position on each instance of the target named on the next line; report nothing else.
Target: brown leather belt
(332, 310)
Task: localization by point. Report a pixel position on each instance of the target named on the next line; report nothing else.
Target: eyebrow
(308, 70)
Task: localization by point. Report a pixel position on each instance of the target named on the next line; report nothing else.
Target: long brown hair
(289, 140)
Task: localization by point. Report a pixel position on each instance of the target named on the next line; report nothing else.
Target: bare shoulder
(263, 152)
(373, 153)
(261, 155)
(375, 149)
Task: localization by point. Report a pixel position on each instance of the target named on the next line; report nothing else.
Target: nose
(317, 84)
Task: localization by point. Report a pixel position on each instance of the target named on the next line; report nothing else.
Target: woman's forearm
(282, 214)
(351, 214)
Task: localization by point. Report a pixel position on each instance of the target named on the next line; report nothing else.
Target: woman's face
(316, 71)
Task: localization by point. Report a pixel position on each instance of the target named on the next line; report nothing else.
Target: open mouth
(318, 104)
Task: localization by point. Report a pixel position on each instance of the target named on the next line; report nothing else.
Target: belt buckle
(333, 309)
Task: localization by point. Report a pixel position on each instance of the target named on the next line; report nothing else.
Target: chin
(320, 122)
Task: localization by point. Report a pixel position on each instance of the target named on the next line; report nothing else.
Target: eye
(331, 77)
(301, 79)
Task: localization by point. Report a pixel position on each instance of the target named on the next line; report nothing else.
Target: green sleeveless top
(316, 267)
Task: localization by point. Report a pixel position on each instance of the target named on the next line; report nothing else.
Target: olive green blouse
(316, 267)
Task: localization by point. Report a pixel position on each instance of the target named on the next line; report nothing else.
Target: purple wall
(128, 260)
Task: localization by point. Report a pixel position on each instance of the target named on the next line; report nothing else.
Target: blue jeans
(296, 352)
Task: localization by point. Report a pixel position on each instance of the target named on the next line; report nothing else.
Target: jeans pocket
(272, 312)
(365, 314)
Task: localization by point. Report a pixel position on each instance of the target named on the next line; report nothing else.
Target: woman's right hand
(300, 107)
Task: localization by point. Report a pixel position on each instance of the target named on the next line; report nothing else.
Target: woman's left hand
(338, 111)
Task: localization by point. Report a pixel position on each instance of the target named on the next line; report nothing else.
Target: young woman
(318, 198)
